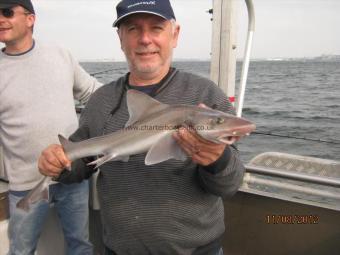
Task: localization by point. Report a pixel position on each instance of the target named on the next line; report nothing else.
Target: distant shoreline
(315, 59)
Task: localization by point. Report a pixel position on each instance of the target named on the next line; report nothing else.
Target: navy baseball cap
(160, 8)
(27, 4)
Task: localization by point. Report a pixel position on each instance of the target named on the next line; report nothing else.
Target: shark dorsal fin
(141, 105)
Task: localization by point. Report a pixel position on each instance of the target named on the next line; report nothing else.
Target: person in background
(173, 207)
(38, 85)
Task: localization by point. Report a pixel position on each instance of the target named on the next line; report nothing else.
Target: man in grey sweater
(173, 207)
(38, 84)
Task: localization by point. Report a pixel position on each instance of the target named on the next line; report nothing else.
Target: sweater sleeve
(222, 181)
(80, 171)
(84, 84)
(224, 176)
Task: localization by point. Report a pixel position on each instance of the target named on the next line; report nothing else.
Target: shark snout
(243, 130)
(234, 134)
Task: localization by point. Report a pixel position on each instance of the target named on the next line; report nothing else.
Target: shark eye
(220, 120)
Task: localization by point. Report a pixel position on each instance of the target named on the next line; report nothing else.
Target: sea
(295, 104)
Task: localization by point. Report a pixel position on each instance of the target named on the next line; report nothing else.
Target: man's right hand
(53, 161)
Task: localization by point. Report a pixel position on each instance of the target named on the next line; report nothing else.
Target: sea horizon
(324, 57)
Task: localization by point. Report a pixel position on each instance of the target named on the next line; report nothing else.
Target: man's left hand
(202, 152)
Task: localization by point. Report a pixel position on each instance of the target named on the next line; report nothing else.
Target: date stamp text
(291, 219)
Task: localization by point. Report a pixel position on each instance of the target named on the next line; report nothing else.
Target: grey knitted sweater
(170, 208)
(37, 91)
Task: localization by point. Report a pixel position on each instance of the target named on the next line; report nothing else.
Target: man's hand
(53, 161)
(202, 152)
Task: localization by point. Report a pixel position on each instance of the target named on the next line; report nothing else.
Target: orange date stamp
(291, 219)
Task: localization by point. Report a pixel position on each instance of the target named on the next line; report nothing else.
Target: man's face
(147, 41)
(15, 28)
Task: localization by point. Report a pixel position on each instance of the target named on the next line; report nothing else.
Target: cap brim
(115, 24)
(4, 6)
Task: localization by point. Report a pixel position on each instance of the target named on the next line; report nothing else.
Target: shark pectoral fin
(166, 148)
(141, 105)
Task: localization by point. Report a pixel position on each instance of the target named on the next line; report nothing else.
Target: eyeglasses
(9, 13)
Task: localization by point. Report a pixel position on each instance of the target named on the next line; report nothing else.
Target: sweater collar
(18, 54)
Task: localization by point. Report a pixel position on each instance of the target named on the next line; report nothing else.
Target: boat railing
(294, 176)
(246, 59)
(306, 180)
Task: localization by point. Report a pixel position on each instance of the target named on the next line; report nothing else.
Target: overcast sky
(284, 28)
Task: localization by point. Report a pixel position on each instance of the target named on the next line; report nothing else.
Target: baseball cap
(27, 4)
(160, 8)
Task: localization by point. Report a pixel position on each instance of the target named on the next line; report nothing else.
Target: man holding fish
(168, 200)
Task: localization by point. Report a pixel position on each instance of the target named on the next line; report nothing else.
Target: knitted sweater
(173, 207)
(37, 91)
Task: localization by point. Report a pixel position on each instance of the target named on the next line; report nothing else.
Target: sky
(284, 28)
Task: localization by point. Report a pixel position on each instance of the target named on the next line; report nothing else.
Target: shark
(149, 130)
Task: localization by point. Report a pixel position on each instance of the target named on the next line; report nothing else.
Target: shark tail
(25, 203)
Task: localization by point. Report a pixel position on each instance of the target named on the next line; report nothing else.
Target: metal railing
(246, 60)
(334, 182)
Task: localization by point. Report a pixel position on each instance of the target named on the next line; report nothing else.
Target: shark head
(219, 127)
